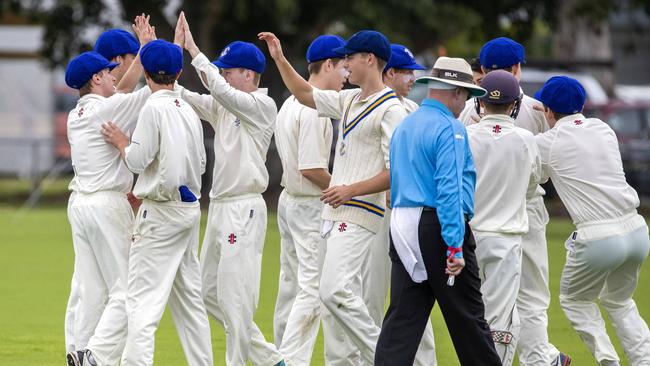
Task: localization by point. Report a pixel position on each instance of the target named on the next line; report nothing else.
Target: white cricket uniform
(611, 242)
(101, 220)
(361, 153)
(507, 168)
(534, 296)
(231, 255)
(167, 152)
(304, 141)
(377, 278)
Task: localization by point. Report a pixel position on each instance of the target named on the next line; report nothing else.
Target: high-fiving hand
(143, 30)
(273, 43)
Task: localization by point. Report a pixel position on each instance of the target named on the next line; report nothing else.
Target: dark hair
(508, 69)
(316, 66)
(162, 79)
(556, 115)
(475, 63)
(497, 108)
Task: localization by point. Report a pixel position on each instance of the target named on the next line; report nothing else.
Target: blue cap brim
(223, 65)
(112, 65)
(344, 51)
(414, 66)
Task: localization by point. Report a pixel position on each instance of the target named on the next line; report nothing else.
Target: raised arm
(145, 33)
(296, 84)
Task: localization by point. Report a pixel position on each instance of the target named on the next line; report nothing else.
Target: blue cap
(500, 53)
(115, 42)
(160, 57)
(367, 41)
(241, 54)
(82, 68)
(323, 47)
(562, 94)
(402, 58)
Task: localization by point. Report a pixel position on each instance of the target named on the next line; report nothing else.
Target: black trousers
(411, 303)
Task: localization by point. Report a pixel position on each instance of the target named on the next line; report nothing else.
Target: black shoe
(75, 358)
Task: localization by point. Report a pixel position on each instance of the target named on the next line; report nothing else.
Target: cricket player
(355, 202)
(605, 253)
(507, 167)
(125, 44)
(534, 298)
(98, 210)
(166, 150)
(243, 118)
(399, 75)
(304, 143)
(432, 189)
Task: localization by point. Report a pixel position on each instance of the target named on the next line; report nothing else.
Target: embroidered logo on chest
(343, 227)
(496, 129)
(81, 112)
(237, 122)
(578, 122)
(178, 104)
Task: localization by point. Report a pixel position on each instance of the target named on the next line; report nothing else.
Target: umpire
(432, 186)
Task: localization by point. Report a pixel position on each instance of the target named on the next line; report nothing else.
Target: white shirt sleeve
(256, 111)
(393, 116)
(313, 151)
(144, 142)
(544, 142)
(205, 106)
(126, 106)
(329, 103)
(536, 175)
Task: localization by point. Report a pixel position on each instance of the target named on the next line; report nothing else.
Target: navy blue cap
(82, 68)
(402, 58)
(241, 54)
(562, 94)
(500, 53)
(160, 57)
(115, 42)
(367, 41)
(502, 87)
(323, 47)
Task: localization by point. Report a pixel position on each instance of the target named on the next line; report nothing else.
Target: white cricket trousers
(302, 252)
(534, 297)
(164, 268)
(376, 281)
(231, 265)
(499, 261)
(607, 270)
(346, 316)
(101, 225)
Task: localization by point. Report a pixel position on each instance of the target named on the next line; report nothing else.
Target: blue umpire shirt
(431, 165)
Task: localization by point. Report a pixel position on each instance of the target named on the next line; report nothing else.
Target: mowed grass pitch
(36, 259)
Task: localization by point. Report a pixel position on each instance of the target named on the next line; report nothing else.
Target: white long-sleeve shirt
(304, 141)
(97, 164)
(243, 126)
(362, 148)
(582, 158)
(166, 149)
(508, 166)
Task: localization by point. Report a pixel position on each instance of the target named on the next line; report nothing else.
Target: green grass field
(36, 259)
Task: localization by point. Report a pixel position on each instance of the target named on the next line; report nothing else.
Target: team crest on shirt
(496, 129)
(225, 51)
(343, 227)
(178, 104)
(237, 122)
(81, 112)
(232, 239)
(577, 122)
